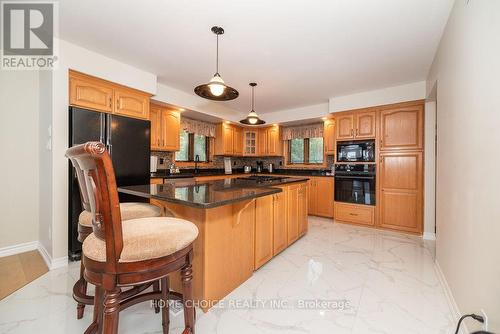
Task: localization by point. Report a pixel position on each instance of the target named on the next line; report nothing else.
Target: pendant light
(216, 89)
(252, 118)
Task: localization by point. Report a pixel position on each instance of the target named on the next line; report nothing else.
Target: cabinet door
(365, 124)
(262, 142)
(273, 141)
(91, 94)
(263, 230)
(345, 126)
(228, 135)
(324, 200)
(280, 221)
(311, 207)
(329, 136)
(238, 141)
(171, 123)
(293, 213)
(402, 128)
(131, 103)
(401, 191)
(302, 209)
(250, 143)
(155, 118)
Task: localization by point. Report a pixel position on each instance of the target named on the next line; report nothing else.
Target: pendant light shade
(252, 118)
(216, 89)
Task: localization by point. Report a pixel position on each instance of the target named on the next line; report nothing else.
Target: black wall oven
(356, 151)
(355, 184)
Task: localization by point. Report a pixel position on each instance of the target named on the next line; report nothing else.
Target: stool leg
(98, 304)
(187, 293)
(156, 288)
(165, 308)
(80, 308)
(111, 311)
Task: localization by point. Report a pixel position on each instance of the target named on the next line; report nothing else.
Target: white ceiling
(300, 52)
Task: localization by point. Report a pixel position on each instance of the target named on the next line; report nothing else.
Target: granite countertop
(208, 194)
(186, 173)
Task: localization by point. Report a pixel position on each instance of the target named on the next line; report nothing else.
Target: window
(306, 151)
(192, 145)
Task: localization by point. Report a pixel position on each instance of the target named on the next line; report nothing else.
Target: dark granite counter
(208, 194)
(185, 173)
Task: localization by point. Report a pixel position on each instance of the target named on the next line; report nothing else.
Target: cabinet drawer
(360, 214)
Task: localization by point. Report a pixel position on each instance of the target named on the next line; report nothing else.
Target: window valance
(304, 131)
(198, 127)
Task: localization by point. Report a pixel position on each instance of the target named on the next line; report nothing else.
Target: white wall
(19, 167)
(430, 171)
(301, 113)
(378, 97)
(467, 71)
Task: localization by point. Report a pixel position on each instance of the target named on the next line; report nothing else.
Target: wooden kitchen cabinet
(131, 103)
(262, 142)
(302, 210)
(280, 217)
(250, 140)
(402, 128)
(345, 126)
(401, 191)
(225, 139)
(90, 93)
(329, 136)
(321, 196)
(293, 213)
(355, 213)
(269, 141)
(165, 128)
(263, 230)
(356, 125)
(237, 141)
(93, 93)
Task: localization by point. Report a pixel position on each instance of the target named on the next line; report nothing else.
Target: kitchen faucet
(196, 161)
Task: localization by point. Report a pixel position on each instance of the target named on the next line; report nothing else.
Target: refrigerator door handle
(108, 133)
(103, 128)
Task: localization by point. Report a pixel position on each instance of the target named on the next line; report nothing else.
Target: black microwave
(356, 151)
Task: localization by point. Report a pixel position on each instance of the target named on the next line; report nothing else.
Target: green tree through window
(306, 150)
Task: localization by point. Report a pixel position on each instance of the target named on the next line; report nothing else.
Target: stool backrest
(96, 178)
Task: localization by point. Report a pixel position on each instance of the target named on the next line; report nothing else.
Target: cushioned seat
(145, 238)
(128, 211)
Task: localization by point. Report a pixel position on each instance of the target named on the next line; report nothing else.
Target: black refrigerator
(127, 141)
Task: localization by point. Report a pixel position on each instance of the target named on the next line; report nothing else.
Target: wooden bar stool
(128, 211)
(131, 253)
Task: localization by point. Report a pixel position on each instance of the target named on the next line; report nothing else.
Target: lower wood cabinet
(264, 207)
(280, 228)
(401, 191)
(355, 213)
(321, 196)
(293, 213)
(302, 210)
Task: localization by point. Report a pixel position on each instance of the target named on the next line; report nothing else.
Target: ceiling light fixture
(252, 118)
(216, 89)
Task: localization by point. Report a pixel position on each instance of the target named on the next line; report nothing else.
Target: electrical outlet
(485, 323)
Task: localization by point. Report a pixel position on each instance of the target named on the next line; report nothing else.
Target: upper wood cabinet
(131, 103)
(165, 128)
(90, 93)
(93, 93)
(402, 128)
(365, 124)
(329, 136)
(262, 141)
(237, 141)
(345, 126)
(401, 191)
(269, 141)
(356, 125)
(250, 139)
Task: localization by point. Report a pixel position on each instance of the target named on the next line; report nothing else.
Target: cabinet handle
(118, 104)
(353, 214)
(357, 132)
(110, 102)
(158, 141)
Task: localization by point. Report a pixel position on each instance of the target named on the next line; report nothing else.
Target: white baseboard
(49, 261)
(449, 297)
(19, 248)
(429, 236)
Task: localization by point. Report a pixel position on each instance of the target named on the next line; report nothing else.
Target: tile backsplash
(238, 162)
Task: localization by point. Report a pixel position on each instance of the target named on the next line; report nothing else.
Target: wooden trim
(81, 75)
(381, 107)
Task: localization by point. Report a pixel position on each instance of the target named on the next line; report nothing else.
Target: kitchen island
(242, 222)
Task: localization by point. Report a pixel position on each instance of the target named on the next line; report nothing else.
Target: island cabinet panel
(293, 213)
(402, 128)
(329, 136)
(263, 230)
(280, 227)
